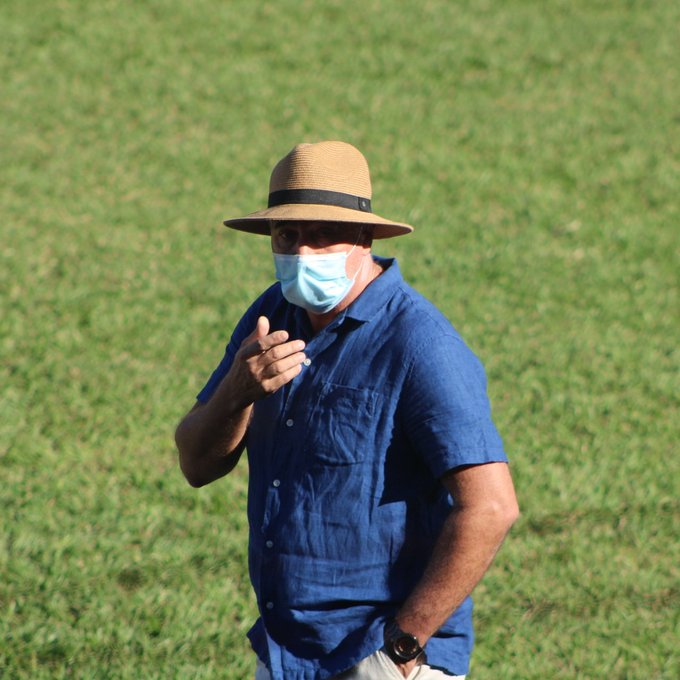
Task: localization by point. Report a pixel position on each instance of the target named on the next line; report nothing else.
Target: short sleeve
(447, 410)
(243, 329)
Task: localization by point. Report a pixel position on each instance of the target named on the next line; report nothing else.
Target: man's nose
(302, 248)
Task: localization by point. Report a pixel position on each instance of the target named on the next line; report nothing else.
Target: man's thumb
(262, 327)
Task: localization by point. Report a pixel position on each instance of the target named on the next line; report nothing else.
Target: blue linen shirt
(344, 499)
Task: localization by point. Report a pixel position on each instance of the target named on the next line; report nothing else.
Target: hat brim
(258, 222)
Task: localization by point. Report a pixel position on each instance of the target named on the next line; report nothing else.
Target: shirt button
(270, 544)
(270, 605)
(290, 422)
(307, 362)
(276, 483)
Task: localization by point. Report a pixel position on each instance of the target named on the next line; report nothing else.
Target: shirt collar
(374, 297)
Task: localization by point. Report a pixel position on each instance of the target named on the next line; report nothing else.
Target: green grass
(535, 147)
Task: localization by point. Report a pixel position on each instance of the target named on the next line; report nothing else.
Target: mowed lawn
(535, 147)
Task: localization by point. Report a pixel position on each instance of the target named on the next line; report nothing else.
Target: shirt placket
(290, 436)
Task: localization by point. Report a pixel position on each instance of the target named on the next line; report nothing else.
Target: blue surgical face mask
(316, 282)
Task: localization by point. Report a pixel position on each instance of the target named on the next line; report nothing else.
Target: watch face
(400, 646)
(406, 646)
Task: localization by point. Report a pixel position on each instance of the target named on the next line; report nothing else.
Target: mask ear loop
(351, 250)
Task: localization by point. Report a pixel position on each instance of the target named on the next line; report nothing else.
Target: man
(379, 490)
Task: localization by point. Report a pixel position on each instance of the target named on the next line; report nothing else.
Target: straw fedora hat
(323, 182)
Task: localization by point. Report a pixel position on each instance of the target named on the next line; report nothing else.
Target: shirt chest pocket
(341, 425)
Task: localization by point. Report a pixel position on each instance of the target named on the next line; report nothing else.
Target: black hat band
(319, 197)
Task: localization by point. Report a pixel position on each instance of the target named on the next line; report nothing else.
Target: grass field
(535, 147)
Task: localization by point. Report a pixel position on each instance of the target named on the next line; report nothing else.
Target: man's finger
(277, 342)
(286, 349)
(260, 331)
(284, 364)
(278, 381)
(260, 340)
(262, 327)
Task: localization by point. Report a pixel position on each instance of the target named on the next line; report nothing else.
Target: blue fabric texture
(345, 502)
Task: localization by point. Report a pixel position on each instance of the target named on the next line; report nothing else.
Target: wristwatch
(400, 646)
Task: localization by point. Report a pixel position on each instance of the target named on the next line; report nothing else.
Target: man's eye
(327, 234)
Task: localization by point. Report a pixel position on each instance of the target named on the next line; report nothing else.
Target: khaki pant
(378, 666)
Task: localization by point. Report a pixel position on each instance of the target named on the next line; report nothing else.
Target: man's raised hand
(265, 362)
